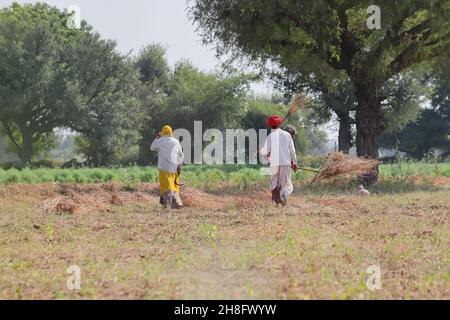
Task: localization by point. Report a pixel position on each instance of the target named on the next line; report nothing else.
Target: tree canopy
(32, 44)
(54, 76)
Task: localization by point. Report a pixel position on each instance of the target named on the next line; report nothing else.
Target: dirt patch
(342, 204)
(31, 192)
(195, 198)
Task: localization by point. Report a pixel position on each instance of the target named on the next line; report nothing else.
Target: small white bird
(362, 191)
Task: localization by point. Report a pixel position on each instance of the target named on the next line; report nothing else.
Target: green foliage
(257, 111)
(103, 100)
(33, 39)
(192, 95)
(404, 94)
(441, 96)
(420, 138)
(154, 73)
(329, 41)
(431, 131)
(211, 178)
(152, 65)
(259, 108)
(47, 163)
(53, 76)
(216, 100)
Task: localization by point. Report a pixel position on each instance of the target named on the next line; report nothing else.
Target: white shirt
(280, 149)
(170, 153)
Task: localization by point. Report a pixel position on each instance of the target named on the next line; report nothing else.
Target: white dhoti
(281, 183)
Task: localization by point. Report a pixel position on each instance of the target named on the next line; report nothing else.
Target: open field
(232, 246)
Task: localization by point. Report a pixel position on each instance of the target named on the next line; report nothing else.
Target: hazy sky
(135, 23)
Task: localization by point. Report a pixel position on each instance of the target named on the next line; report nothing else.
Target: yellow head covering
(166, 131)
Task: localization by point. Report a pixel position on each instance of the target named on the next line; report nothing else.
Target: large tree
(319, 35)
(441, 95)
(54, 76)
(154, 74)
(102, 98)
(32, 42)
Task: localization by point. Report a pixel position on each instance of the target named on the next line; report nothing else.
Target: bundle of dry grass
(340, 164)
(59, 205)
(85, 199)
(298, 102)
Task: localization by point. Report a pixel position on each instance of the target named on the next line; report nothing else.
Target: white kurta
(170, 153)
(279, 148)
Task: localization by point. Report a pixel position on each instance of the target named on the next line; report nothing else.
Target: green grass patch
(393, 177)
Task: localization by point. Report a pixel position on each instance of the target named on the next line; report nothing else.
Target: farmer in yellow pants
(170, 159)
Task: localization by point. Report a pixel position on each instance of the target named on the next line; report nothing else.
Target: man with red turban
(280, 150)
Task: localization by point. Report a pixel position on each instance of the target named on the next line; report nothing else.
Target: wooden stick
(309, 170)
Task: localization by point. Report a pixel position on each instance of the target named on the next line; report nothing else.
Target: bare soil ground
(236, 246)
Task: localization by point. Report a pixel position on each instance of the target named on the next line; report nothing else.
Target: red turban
(274, 121)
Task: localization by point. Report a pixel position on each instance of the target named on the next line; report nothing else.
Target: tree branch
(10, 134)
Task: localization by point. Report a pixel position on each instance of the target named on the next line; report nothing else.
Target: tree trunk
(368, 125)
(345, 132)
(26, 152)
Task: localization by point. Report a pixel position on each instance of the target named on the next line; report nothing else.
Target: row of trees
(53, 77)
(374, 81)
(432, 129)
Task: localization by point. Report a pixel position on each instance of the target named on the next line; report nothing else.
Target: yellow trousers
(168, 181)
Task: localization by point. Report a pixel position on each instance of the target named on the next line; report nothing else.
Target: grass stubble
(232, 246)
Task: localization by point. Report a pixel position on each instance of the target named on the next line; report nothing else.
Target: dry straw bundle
(298, 102)
(340, 164)
(84, 199)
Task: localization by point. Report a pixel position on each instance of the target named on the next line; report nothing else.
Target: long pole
(309, 170)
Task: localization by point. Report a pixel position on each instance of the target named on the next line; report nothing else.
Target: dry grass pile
(85, 199)
(79, 199)
(340, 164)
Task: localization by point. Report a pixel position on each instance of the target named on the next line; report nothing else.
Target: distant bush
(72, 163)
(47, 163)
(9, 165)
